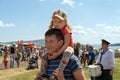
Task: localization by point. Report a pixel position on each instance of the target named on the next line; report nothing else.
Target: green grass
(86, 73)
(116, 75)
(26, 76)
(30, 74)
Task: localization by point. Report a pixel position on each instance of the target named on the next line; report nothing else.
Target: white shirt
(107, 60)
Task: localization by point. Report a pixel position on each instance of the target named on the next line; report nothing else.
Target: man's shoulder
(109, 51)
(74, 58)
(74, 63)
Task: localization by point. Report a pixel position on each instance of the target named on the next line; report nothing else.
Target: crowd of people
(13, 54)
(86, 54)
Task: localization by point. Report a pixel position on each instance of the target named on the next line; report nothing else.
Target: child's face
(58, 23)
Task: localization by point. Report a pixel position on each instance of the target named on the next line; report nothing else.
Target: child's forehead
(56, 19)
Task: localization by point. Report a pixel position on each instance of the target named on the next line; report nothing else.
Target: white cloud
(108, 28)
(100, 25)
(68, 2)
(6, 24)
(95, 34)
(79, 30)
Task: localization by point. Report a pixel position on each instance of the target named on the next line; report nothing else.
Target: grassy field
(23, 74)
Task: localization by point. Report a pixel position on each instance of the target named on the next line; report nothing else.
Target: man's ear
(61, 42)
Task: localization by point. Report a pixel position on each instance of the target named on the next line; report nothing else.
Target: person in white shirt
(106, 59)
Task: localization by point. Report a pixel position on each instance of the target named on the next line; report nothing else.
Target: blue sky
(91, 20)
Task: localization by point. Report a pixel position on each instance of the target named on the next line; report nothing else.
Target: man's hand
(59, 74)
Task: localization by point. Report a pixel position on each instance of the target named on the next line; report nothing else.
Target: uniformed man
(106, 59)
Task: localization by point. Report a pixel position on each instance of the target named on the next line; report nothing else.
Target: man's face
(104, 46)
(52, 44)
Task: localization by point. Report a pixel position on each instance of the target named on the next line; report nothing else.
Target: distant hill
(116, 44)
(39, 42)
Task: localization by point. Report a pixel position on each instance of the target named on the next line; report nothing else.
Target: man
(54, 40)
(77, 50)
(106, 59)
(12, 55)
(91, 55)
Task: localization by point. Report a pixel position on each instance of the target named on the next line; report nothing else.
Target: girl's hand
(59, 74)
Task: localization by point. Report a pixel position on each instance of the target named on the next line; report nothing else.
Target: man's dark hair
(56, 32)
